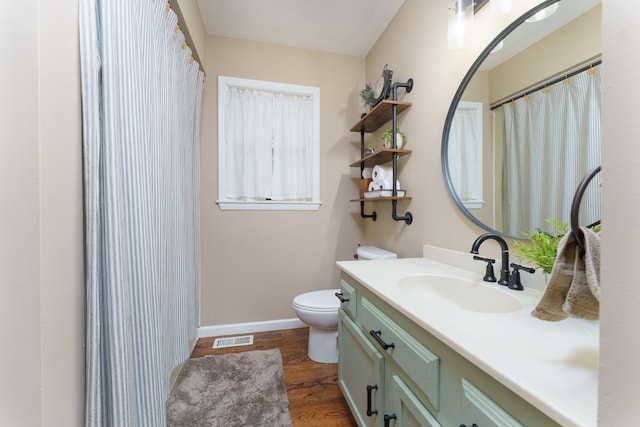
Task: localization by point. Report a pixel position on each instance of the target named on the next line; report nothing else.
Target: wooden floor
(315, 399)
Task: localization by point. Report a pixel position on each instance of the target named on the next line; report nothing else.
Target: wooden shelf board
(383, 156)
(380, 199)
(379, 115)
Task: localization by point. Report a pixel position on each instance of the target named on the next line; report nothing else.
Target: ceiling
(349, 27)
(529, 33)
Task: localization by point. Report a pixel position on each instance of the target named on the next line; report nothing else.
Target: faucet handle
(489, 276)
(514, 280)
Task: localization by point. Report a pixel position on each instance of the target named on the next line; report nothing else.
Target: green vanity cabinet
(360, 373)
(376, 382)
(478, 407)
(412, 361)
(405, 408)
(419, 380)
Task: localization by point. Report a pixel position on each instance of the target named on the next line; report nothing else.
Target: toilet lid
(318, 300)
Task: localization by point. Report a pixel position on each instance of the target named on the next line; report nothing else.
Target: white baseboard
(244, 328)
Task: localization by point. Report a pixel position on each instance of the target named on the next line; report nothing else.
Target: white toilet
(319, 310)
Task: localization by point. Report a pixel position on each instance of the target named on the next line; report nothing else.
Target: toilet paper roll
(387, 184)
(373, 186)
(380, 173)
(366, 173)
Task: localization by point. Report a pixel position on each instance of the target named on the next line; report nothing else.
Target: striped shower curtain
(552, 139)
(141, 107)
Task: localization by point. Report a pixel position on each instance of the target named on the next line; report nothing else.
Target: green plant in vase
(542, 248)
(387, 138)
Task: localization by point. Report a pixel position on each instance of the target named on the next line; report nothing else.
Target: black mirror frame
(444, 152)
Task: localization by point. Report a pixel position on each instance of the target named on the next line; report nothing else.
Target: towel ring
(575, 206)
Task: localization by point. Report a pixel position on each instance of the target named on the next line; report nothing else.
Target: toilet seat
(318, 301)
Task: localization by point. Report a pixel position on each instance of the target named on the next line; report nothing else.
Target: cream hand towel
(550, 305)
(584, 293)
(574, 287)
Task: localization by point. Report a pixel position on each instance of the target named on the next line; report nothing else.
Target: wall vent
(233, 341)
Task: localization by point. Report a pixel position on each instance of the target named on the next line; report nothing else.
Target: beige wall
(191, 14)
(20, 398)
(41, 263)
(620, 305)
(61, 218)
(255, 262)
(574, 43)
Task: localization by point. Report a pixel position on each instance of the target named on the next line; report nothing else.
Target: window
(268, 145)
(465, 153)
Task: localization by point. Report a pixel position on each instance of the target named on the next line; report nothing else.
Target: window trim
(224, 203)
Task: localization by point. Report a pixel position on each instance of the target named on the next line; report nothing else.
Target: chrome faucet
(504, 269)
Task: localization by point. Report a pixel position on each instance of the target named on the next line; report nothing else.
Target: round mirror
(523, 128)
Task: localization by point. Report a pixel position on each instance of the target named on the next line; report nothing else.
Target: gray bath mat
(240, 389)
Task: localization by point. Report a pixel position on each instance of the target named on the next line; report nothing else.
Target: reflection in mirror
(518, 160)
(465, 145)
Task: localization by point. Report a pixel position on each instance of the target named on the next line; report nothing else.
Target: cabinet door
(479, 409)
(360, 373)
(405, 409)
(349, 295)
(418, 362)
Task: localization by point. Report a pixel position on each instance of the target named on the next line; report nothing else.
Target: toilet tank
(372, 252)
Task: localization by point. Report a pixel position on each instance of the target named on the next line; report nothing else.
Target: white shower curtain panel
(141, 109)
(552, 139)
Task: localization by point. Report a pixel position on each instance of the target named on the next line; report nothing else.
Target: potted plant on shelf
(542, 248)
(367, 96)
(387, 138)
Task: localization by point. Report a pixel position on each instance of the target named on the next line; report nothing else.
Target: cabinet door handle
(369, 389)
(472, 425)
(339, 295)
(376, 335)
(388, 418)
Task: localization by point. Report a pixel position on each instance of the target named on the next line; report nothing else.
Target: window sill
(475, 204)
(268, 206)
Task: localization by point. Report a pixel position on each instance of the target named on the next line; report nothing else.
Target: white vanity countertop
(552, 365)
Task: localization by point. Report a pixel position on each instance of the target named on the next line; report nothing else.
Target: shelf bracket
(407, 218)
(408, 87)
(373, 215)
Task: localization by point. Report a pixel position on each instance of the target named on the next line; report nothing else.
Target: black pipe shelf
(385, 111)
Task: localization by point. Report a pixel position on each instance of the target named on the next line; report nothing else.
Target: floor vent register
(233, 341)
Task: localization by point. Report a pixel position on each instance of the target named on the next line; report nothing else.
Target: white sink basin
(467, 294)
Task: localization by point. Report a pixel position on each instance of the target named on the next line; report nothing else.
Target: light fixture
(460, 19)
(544, 13)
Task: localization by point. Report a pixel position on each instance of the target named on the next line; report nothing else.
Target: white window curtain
(292, 148)
(465, 153)
(552, 139)
(141, 110)
(269, 144)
